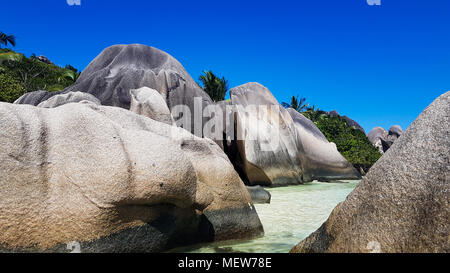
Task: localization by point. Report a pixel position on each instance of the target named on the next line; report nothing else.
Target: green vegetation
(297, 104)
(214, 86)
(352, 143)
(21, 74)
(10, 89)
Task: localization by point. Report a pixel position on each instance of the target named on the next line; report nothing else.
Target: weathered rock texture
(402, 205)
(259, 195)
(113, 181)
(120, 68)
(278, 162)
(300, 153)
(70, 97)
(321, 159)
(149, 103)
(382, 139)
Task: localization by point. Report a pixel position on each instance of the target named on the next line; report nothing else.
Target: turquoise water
(293, 214)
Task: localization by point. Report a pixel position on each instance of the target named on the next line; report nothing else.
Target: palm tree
(214, 86)
(5, 39)
(314, 113)
(72, 75)
(296, 103)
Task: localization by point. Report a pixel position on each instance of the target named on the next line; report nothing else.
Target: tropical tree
(296, 103)
(71, 75)
(5, 39)
(214, 86)
(313, 113)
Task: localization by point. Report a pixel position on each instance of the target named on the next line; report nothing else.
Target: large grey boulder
(377, 135)
(70, 97)
(321, 159)
(273, 146)
(149, 103)
(268, 150)
(402, 204)
(109, 180)
(120, 68)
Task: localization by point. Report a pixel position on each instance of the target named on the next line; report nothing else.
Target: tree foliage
(297, 104)
(214, 86)
(352, 143)
(10, 89)
(31, 75)
(6, 39)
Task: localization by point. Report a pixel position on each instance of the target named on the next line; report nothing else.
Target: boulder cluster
(120, 162)
(383, 139)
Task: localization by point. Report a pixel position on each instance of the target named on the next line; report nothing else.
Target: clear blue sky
(380, 65)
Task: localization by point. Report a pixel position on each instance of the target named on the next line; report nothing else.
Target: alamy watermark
(373, 2)
(73, 2)
(260, 123)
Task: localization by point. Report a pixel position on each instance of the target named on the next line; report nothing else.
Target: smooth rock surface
(120, 68)
(274, 146)
(259, 195)
(149, 103)
(70, 97)
(382, 139)
(402, 204)
(377, 135)
(113, 181)
(321, 159)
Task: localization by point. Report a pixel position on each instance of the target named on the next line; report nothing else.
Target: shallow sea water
(293, 214)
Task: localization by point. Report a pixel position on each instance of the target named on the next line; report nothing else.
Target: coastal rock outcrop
(382, 139)
(259, 195)
(149, 103)
(321, 159)
(265, 138)
(120, 68)
(272, 146)
(70, 97)
(110, 180)
(402, 203)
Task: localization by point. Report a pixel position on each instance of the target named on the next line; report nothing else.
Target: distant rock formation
(321, 159)
(43, 59)
(350, 121)
(113, 181)
(382, 139)
(402, 203)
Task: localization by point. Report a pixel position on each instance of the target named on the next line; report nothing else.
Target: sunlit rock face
(321, 159)
(149, 103)
(70, 97)
(273, 146)
(113, 181)
(266, 139)
(120, 68)
(401, 205)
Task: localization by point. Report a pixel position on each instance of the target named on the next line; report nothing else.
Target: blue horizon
(379, 65)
